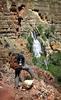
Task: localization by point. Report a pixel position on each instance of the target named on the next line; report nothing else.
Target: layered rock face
(51, 8)
(8, 21)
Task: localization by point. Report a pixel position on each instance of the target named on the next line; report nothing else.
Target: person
(20, 13)
(17, 62)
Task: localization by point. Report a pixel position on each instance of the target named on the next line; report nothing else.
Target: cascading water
(36, 45)
(36, 48)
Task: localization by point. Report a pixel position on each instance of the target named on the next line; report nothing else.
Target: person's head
(20, 59)
(17, 59)
(21, 7)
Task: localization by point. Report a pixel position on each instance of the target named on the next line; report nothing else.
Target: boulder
(27, 84)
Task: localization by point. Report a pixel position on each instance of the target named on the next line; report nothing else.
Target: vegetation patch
(54, 64)
(30, 43)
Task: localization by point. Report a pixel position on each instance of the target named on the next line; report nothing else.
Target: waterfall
(36, 45)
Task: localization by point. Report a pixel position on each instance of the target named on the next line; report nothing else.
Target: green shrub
(34, 60)
(47, 33)
(55, 59)
(54, 64)
(56, 72)
(40, 28)
(39, 62)
(25, 36)
(30, 43)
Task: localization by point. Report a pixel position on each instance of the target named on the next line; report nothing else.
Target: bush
(39, 62)
(56, 72)
(46, 33)
(55, 59)
(25, 36)
(30, 43)
(34, 60)
(41, 30)
(54, 64)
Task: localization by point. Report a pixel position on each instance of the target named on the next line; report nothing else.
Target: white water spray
(36, 46)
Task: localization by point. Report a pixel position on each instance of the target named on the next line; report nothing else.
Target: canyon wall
(51, 8)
